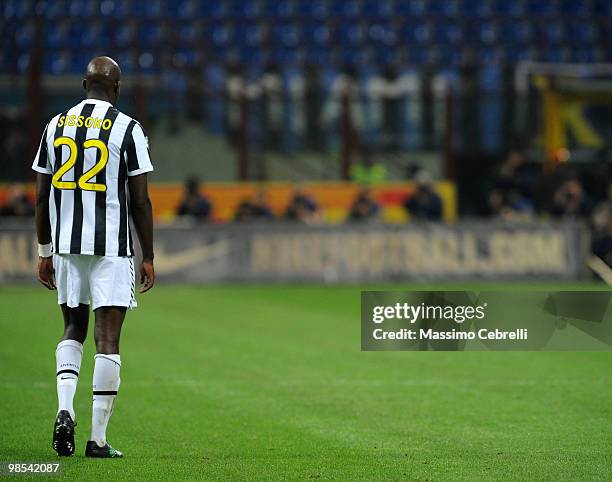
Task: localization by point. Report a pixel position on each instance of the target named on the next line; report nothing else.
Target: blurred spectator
(302, 207)
(515, 177)
(313, 107)
(424, 203)
(602, 228)
(272, 106)
(365, 207)
(253, 210)
(570, 200)
(368, 172)
(194, 204)
(514, 170)
(18, 203)
(236, 87)
(510, 205)
(174, 86)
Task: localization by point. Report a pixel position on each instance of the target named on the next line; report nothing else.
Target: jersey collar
(96, 101)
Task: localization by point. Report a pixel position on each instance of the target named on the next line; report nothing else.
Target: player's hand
(46, 273)
(147, 275)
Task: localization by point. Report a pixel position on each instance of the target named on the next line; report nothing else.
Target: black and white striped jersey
(90, 150)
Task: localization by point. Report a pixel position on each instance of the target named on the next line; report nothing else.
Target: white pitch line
(601, 268)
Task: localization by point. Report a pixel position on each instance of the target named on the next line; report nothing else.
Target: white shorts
(101, 280)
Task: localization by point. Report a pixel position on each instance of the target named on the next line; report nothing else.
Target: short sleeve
(137, 152)
(41, 161)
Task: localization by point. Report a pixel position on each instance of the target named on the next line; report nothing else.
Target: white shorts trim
(96, 280)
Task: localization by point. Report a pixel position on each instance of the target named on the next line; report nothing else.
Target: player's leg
(69, 353)
(112, 292)
(106, 380)
(73, 290)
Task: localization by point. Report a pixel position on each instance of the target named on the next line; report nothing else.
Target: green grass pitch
(268, 382)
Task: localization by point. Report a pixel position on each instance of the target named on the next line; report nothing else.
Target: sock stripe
(105, 392)
(74, 372)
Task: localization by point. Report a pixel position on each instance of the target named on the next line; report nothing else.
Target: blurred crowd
(520, 190)
(517, 191)
(423, 204)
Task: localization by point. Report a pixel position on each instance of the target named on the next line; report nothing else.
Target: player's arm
(46, 273)
(138, 165)
(142, 216)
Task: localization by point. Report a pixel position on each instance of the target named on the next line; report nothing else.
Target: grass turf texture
(245, 382)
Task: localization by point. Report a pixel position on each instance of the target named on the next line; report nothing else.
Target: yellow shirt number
(69, 164)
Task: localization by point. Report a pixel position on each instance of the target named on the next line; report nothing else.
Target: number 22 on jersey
(83, 181)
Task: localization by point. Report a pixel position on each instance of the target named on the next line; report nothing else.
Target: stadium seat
(150, 9)
(248, 34)
(354, 57)
(476, 8)
(345, 8)
(422, 56)
(517, 32)
(505, 8)
(283, 56)
(416, 33)
(285, 34)
(185, 9)
(378, 8)
(276, 9)
(414, 8)
(57, 35)
(186, 56)
(110, 8)
(244, 9)
(57, 62)
(23, 62)
(555, 54)
(83, 9)
(313, 8)
(449, 57)
(7, 34)
(16, 9)
(126, 59)
(318, 56)
(583, 32)
(542, 8)
(490, 55)
(603, 8)
(251, 56)
(95, 34)
(125, 34)
(52, 10)
(552, 32)
(382, 33)
(518, 53)
(150, 34)
(219, 35)
(24, 36)
(316, 34)
(448, 33)
(442, 8)
(576, 8)
(214, 9)
(351, 34)
(189, 32)
(488, 32)
(587, 55)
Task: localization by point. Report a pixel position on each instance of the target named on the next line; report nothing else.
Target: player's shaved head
(102, 79)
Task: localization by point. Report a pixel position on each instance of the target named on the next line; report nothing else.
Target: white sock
(68, 357)
(105, 385)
